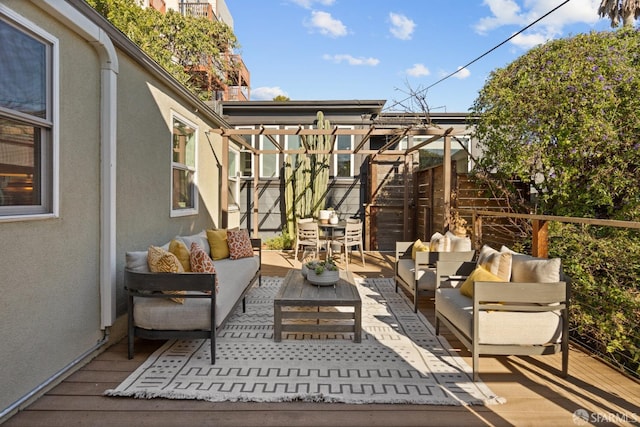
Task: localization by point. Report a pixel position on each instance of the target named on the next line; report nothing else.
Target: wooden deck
(535, 394)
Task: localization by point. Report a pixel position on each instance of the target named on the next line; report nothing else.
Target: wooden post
(256, 195)
(540, 238)
(447, 181)
(477, 231)
(405, 205)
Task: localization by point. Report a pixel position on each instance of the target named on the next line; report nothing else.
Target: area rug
(400, 360)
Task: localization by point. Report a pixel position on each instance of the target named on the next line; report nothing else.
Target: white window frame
(351, 156)
(286, 143)
(50, 157)
(261, 140)
(244, 150)
(193, 210)
(234, 177)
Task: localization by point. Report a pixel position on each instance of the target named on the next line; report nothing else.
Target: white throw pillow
(439, 243)
(498, 263)
(458, 244)
(526, 268)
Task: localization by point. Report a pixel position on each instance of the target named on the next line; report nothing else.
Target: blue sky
(375, 49)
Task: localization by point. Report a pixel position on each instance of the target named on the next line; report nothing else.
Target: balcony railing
(201, 10)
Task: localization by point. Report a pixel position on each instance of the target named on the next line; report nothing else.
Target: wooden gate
(404, 205)
(388, 213)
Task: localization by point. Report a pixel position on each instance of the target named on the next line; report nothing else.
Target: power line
(483, 55)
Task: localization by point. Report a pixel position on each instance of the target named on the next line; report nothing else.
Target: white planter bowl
(326, 278)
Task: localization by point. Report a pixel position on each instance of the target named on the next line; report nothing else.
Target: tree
(565, 117)
(180, 44)
(281, 98)
(628, 10)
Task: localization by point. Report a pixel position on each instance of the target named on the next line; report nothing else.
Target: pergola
(394, 135)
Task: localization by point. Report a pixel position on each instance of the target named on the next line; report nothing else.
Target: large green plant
(604, 266)
(565, 117)
(180, 44)
(306, 177)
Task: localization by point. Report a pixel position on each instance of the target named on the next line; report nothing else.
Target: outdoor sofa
(415, 266)
(167, 305)
(520, 307)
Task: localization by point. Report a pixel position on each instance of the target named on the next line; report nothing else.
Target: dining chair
(307, 234)
(352, 237)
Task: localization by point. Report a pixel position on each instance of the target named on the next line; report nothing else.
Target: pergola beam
(429, 141)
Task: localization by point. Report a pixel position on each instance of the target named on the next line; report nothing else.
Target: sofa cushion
(499, 327)
(480, 274)
(218, 243)
(418, 246)
(180, 250)
(200, 239)
(498, 263)
(439, 243)
(137, 261)
(163, 261)
(458, 244)
(426, 276)
(527, 268)
(201, 262)
(239, 244)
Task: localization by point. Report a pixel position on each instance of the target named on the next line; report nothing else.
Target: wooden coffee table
(296, 291)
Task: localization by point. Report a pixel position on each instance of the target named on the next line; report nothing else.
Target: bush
(604, 266)
(280, 242)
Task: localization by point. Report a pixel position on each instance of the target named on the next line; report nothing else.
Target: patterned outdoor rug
(400, 360)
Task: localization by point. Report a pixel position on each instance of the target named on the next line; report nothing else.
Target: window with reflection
(184, 197)
(26, 126)
(344, 162)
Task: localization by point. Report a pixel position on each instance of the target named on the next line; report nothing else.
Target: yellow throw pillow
(180, 250)
(161, 261)
(480, 274)
(418, 246)
(218, 243)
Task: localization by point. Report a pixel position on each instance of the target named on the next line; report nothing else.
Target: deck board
(535, 394)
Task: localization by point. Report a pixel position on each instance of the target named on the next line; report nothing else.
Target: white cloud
(418, 70)
(266, 93)
(326, 24)
(401, 26)
(462, 73)
(528, 40)
(308, 4)
(522, 13)
(351, 60)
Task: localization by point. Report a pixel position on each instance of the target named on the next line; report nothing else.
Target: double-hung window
(269, 162)
(234, 177)
(343, 162)
(28, 119)
(184, 196)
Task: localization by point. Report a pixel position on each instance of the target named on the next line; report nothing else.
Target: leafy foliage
(280, 242)
(180, 44)
(604, 266)
(565, 117)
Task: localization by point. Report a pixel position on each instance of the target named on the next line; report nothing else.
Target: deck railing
(602, 258)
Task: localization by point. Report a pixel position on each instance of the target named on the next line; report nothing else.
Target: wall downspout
(101, 42)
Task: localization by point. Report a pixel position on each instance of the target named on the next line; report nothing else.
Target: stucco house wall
(52, 310)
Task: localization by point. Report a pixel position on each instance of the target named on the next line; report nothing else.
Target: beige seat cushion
(194, 314)
(497, 327)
